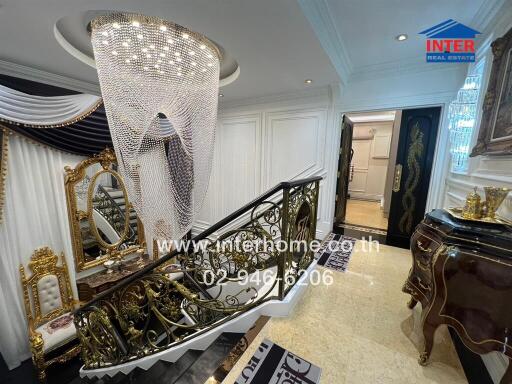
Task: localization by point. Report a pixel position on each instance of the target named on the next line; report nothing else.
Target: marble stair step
(164, 372)
(209, 360)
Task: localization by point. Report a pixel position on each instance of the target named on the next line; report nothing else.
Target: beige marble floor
(359, 330)
(367, 213)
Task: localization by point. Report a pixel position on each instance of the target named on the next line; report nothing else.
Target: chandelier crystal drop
(160, 85)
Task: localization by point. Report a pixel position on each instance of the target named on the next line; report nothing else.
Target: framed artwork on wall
(495, 135)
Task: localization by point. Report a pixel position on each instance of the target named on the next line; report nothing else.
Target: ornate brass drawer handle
(422, 248)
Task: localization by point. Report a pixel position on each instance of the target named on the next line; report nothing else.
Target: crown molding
(28, 73)
(397, 102)
(319, 16)
(401, 67)
(487, 12)
(305, 96)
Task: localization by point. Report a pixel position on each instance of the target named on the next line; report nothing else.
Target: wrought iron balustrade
(152, 310)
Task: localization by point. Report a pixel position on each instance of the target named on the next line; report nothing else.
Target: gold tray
(457, 213)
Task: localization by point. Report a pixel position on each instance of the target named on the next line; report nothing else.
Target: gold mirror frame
(76, 175)
(90, 211)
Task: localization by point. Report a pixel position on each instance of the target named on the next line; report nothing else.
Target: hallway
(365, 213)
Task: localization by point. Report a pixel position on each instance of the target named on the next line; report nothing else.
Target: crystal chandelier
(159, 83)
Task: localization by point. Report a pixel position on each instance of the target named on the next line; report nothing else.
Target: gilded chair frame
(73, 176)
(43, 263)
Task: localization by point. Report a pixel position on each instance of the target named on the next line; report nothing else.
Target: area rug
(272, 364)
(335, 252)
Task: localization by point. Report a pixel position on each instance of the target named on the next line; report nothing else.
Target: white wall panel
(293, 144)
(259, 146)
(239, 155)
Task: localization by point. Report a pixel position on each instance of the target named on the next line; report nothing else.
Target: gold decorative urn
(472, 209)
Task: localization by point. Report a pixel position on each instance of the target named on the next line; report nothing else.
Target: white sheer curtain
(48, 111)
(35, 214)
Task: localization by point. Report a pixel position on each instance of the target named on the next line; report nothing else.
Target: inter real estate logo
(450, 42)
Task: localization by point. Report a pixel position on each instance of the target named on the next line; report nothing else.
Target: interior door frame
(440, 164)
(342, 191)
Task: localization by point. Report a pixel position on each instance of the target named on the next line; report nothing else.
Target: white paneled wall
(239, 176)
(294, 141)
(260, 145)
(371, 144)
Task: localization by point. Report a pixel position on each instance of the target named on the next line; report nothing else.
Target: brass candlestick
(494, 196)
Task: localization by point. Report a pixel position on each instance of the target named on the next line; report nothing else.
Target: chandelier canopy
(159, 83)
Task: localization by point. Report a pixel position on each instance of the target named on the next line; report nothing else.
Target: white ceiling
(367, 28)
(272, 41)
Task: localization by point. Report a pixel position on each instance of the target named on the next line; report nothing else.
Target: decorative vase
(472, 209)
(494, 196)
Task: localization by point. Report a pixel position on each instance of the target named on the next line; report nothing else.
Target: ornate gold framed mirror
(102, 221)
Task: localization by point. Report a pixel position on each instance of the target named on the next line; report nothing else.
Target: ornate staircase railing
(218, 279)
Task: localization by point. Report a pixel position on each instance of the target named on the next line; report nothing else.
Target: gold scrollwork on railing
(162, 307)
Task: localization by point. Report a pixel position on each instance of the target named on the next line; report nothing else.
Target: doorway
(384, 172)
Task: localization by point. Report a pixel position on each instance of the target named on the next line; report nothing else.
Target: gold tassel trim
(3, 169)
(63, 124)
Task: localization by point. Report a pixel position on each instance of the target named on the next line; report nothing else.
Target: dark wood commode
(462, 276)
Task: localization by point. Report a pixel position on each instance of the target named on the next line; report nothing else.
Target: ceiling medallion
(151, 68)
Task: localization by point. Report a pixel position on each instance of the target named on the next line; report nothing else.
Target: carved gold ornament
(44, 263)
(415, 152)
(75, 177)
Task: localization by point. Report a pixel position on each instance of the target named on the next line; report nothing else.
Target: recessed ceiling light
(401, 37)
(308, 81)
(221, 95)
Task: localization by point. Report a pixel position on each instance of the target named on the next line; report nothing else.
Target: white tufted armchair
(48, 302)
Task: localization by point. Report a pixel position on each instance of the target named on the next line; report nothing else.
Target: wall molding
(309, 169)
(33, 74)
(319, 16)
(414, 65)
(297, 97)
(456, 197)
(399, 102)
(306, 126)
